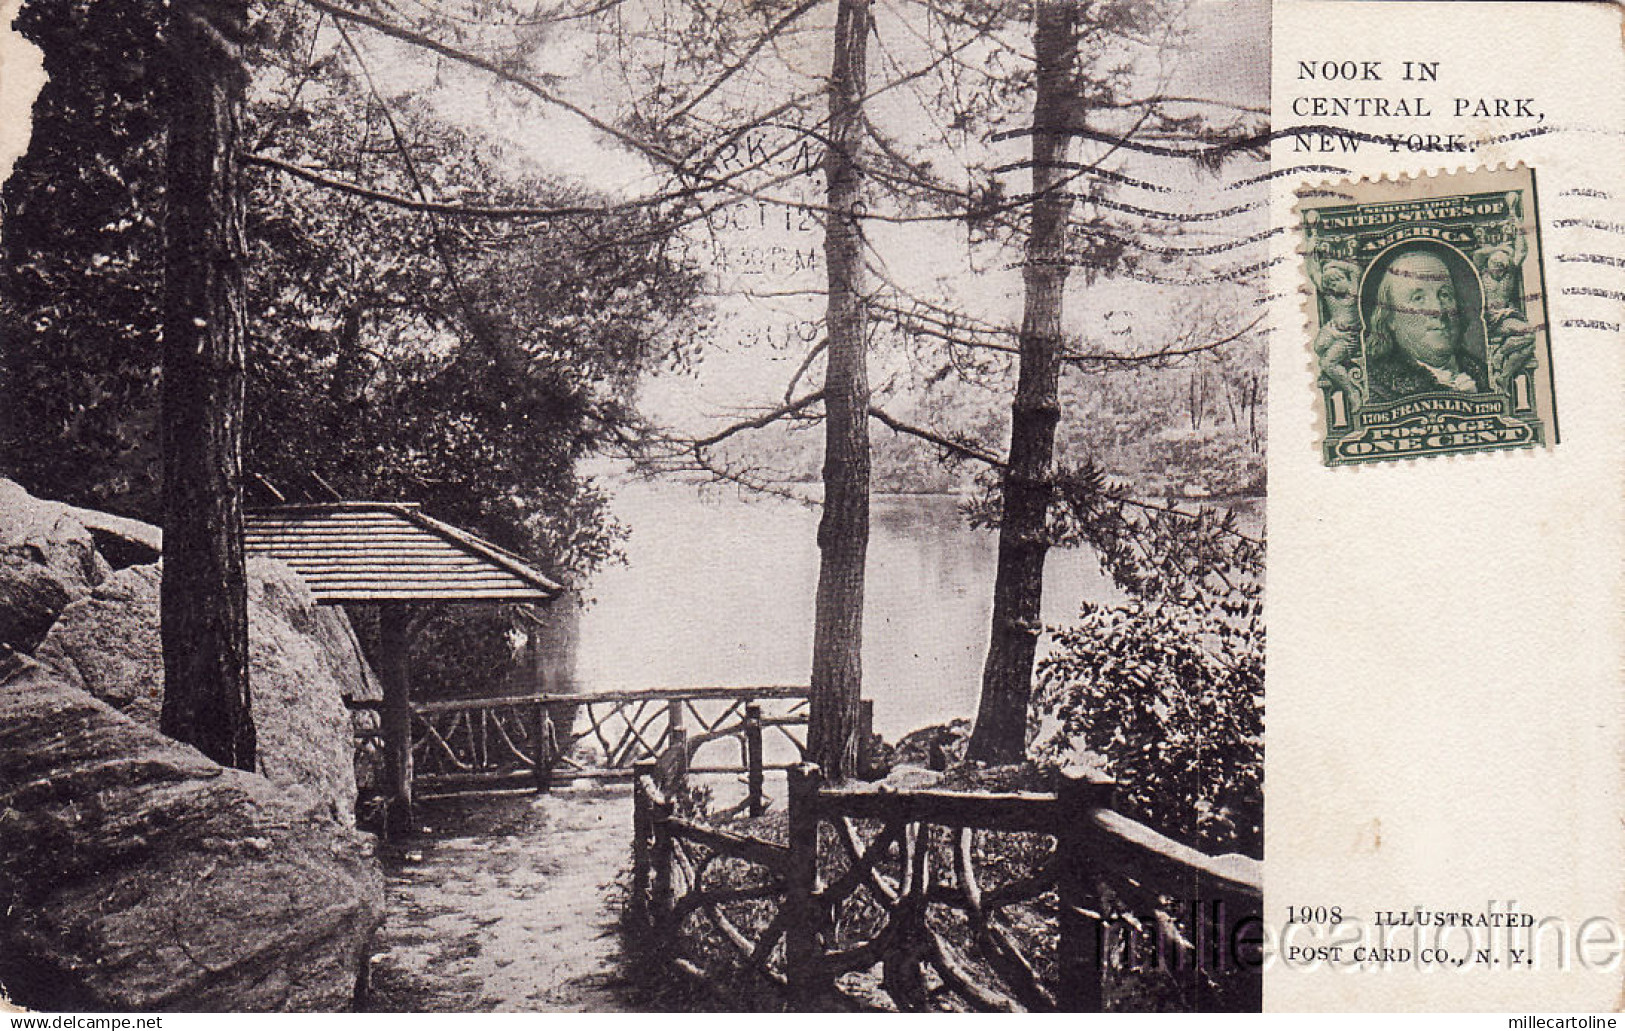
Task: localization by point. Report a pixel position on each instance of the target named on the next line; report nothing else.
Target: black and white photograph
(636, 506)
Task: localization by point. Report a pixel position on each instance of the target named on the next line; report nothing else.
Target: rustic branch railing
(1003, 901)
(534, 740)
(696, 884)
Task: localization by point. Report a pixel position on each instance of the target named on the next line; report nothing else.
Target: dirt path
(509, 904)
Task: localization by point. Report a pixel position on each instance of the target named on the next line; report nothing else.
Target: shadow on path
(508, 903)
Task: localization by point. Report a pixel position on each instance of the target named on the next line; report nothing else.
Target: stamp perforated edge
(1308, 322)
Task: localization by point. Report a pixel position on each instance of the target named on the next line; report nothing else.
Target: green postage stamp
(1429, 315)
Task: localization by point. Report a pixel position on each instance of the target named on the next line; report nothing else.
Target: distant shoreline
(813, 486)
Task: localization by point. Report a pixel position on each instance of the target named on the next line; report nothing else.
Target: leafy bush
(1170, 697)
(1165, 691)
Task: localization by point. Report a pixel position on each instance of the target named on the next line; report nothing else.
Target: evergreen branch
(957, 447)
(328, 182)
(945, 330)
(772, 33)
(524, 82)
(759, 422)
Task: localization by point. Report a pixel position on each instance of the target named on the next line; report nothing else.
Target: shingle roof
(364, 551)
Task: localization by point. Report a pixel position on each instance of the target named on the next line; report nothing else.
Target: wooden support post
(753, 759)
(803, 953)
(676, 748)
(1082, 951)
(661, 858)
(395, 642)
(541, 720)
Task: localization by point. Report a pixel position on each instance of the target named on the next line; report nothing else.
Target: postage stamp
(1428, 306)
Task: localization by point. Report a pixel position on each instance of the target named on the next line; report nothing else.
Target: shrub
(1169, 698)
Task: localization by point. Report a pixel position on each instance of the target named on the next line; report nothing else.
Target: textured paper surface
(1444, 688)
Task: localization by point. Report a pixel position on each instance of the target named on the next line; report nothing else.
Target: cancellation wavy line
(1212, 153)
(1198, 251)
(1238, 274)
(1594, 291)
(1156, 213)
(1078, 166)
(1290, 170)
(1610, 260)
(1590, 223)
(1209, 153)
(1193, 251)
(1153, 187)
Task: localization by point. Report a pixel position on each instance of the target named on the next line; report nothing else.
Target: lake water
(718, 590)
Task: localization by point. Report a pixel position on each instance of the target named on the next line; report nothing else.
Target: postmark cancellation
(1427, 307)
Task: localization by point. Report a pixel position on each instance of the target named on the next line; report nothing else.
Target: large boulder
(135, 874)
(47, 560)
(107, 643)
(32, 596)
(304, 661)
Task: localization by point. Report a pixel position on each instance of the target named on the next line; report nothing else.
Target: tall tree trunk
(843, 532)
(1001, 718)
(204, 621)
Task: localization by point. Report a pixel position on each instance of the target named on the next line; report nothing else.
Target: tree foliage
(466, 364)
(1166, 690)
(1173, 704)
(82, 278)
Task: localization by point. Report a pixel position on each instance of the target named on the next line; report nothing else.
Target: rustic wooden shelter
(393, 556)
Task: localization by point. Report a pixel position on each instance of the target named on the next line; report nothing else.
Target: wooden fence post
(661, 859)
(394, 629)
(1082, 951)
(753, 758)
(542, 731)
(803, 955)
(640, 850)
(641, 830)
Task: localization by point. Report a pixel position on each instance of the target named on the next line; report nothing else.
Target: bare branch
(960, 448)
(508, 75)
(759, 422)
(801, 370)
(325, 181)
(704, 464)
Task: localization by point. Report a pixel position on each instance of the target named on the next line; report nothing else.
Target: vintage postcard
(812, 505)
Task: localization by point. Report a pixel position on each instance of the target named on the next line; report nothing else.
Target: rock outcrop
(134, 872)
(303, 662)
(47, 560)
(138, 875)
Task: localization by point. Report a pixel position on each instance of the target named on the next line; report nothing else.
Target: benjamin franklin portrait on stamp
(1429, 317)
